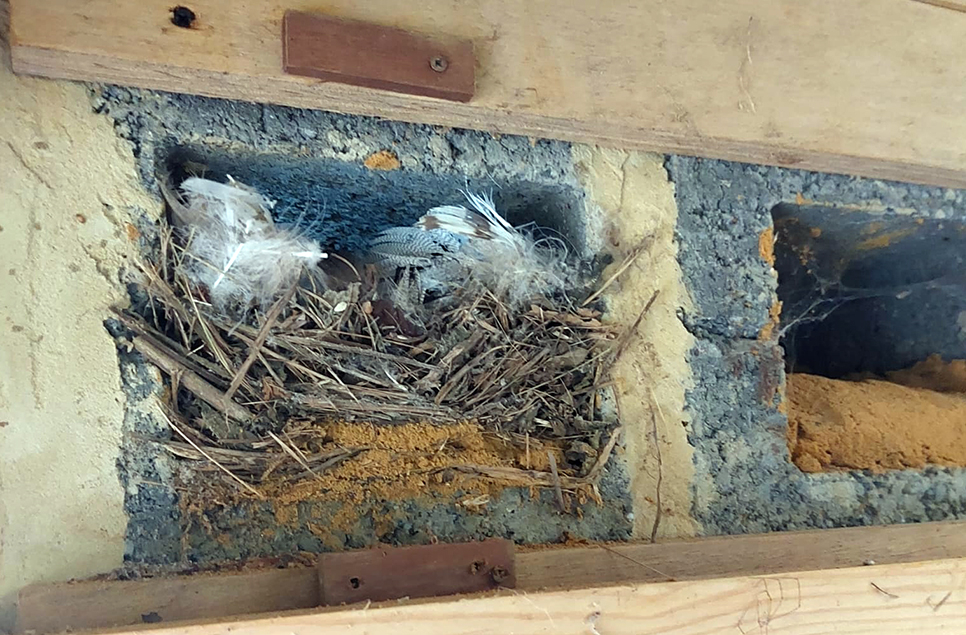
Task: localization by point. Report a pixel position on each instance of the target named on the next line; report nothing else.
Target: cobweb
(867, 292)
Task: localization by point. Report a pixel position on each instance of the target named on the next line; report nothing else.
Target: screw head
(499, 574)
(438, 63)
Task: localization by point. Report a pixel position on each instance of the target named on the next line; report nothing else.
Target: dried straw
(529, 375)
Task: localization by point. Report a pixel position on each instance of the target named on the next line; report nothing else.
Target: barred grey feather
(412, 243)
(480, 221)
(453, 245)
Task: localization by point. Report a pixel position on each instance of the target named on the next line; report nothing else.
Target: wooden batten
(922, 597)
(614, 570)
(868, 87)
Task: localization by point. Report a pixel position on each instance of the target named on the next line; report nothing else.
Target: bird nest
(254, 396)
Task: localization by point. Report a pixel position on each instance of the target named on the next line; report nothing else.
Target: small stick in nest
(556, 481)
(604, 456)
(545, 479)
(629, 334)
(624, 266)
(191, 380)
(209, 457)
(256, 346)
(291, 452)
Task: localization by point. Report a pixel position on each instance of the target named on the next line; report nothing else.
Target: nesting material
(232, 247)
(255, 396)
(474, 246)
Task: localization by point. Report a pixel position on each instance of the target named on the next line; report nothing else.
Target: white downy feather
(492, 253)
(232, 245)
(232, 204)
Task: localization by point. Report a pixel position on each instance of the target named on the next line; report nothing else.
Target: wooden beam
(869, 87)
(923, 597)
(389, 573)
(53, 608)
(722, 556)
(100, 604)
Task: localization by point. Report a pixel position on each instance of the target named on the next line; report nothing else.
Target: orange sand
(403, 462)
(879, 425)
(934, 374)
(383, 160)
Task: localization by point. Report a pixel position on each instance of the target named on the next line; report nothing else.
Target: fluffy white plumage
(232, 245)
(455, 245)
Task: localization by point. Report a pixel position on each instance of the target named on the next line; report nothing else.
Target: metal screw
(438, 63)
(499, 574)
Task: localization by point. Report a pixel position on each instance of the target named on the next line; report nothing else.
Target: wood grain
(103, 604)
(868, 87)
(721, 556)
(385, 573)
(54, 608)
(375, 56)
(923, 597)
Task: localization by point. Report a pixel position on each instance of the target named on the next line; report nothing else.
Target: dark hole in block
(182, 17)
(355, 583)
(868, 293)
(343, 204)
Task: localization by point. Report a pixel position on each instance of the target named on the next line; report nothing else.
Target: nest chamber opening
(872, 326)
(342, 383)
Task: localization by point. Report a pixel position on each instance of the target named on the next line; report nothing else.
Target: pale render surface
(65, 178)
(637, 207)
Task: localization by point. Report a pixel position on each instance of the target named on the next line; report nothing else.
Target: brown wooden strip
(897, 599)
(54, 608)
(374, 56)
(387, 573)
(724, 556)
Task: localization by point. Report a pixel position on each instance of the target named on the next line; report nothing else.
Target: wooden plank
(773, 553)
(923, 597)
(363, 54)
(386, 573)
(102, 604)
(54, 608)
(868, 87)
(954, 5)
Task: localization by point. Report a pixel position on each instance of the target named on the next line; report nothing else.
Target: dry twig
(556, 481)
(210, 458)
(190, 380)
(531, 376)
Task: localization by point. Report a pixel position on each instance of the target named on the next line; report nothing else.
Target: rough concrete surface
(744, 480)
(314, 163)
(67, 182)
(344, 178)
